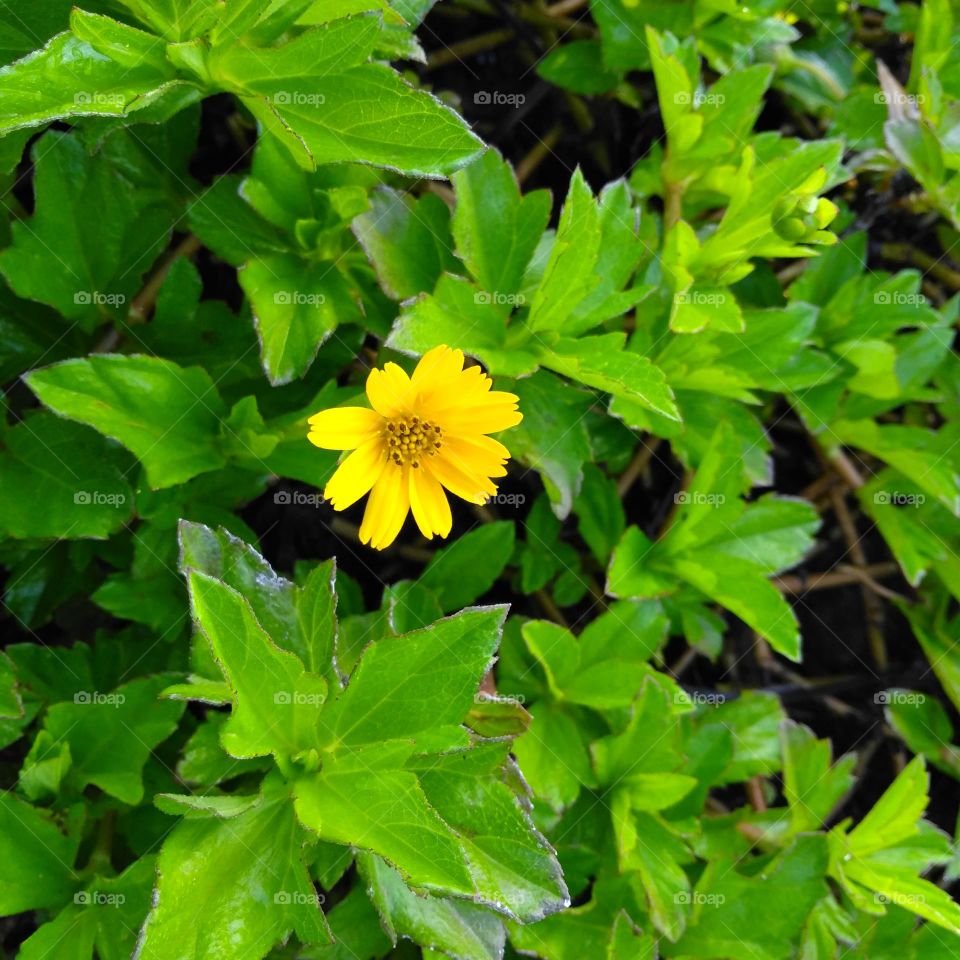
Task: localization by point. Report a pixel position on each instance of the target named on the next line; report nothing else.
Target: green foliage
(571, 730)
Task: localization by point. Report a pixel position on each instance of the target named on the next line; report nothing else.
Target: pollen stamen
(410, 439)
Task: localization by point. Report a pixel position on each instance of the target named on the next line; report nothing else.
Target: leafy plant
(675, 674)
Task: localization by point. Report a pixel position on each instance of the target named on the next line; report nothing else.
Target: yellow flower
(424, 433)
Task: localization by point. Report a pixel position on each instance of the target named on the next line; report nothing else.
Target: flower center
(410, 439)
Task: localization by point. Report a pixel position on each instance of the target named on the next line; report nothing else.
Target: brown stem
(638, 465)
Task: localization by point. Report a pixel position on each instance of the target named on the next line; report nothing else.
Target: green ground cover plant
(479, 479)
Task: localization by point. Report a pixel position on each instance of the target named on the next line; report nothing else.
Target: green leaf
(111, 734)
(553, 436)
(599, 513)
(73, 77)
(512, 865)
(296, 307)
(60, 479)
(408, 241)
(105, 233)
(460, 929)
(327, 106)
(386, 812)
(496, 229)
(36, 858)
(275, 702)
(166, 415)
(102, 919)
(569, 276)
(458, 313)
(601, 362)
(404, 686)
(812, 786)
(248, 873)
(756, 917)
(465, 570)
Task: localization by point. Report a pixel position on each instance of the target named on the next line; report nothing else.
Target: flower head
(425, 433)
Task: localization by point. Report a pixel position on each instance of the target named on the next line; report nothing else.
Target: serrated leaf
(164, 414)
(248, 873)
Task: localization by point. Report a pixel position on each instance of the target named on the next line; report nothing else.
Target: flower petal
(467, 486)
(387, 508)
(472, 458)
(343, 428)
(429, 504)
(389, 391)
(356, 475)
(499, 412)
(439, 364)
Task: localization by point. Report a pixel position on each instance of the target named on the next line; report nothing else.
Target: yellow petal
(440, 363)
(389, 391)
(429, 504)
(343, 428)
(471, 458)
(467, 486)
(356, 475)
(487, 417)
(387, 508)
